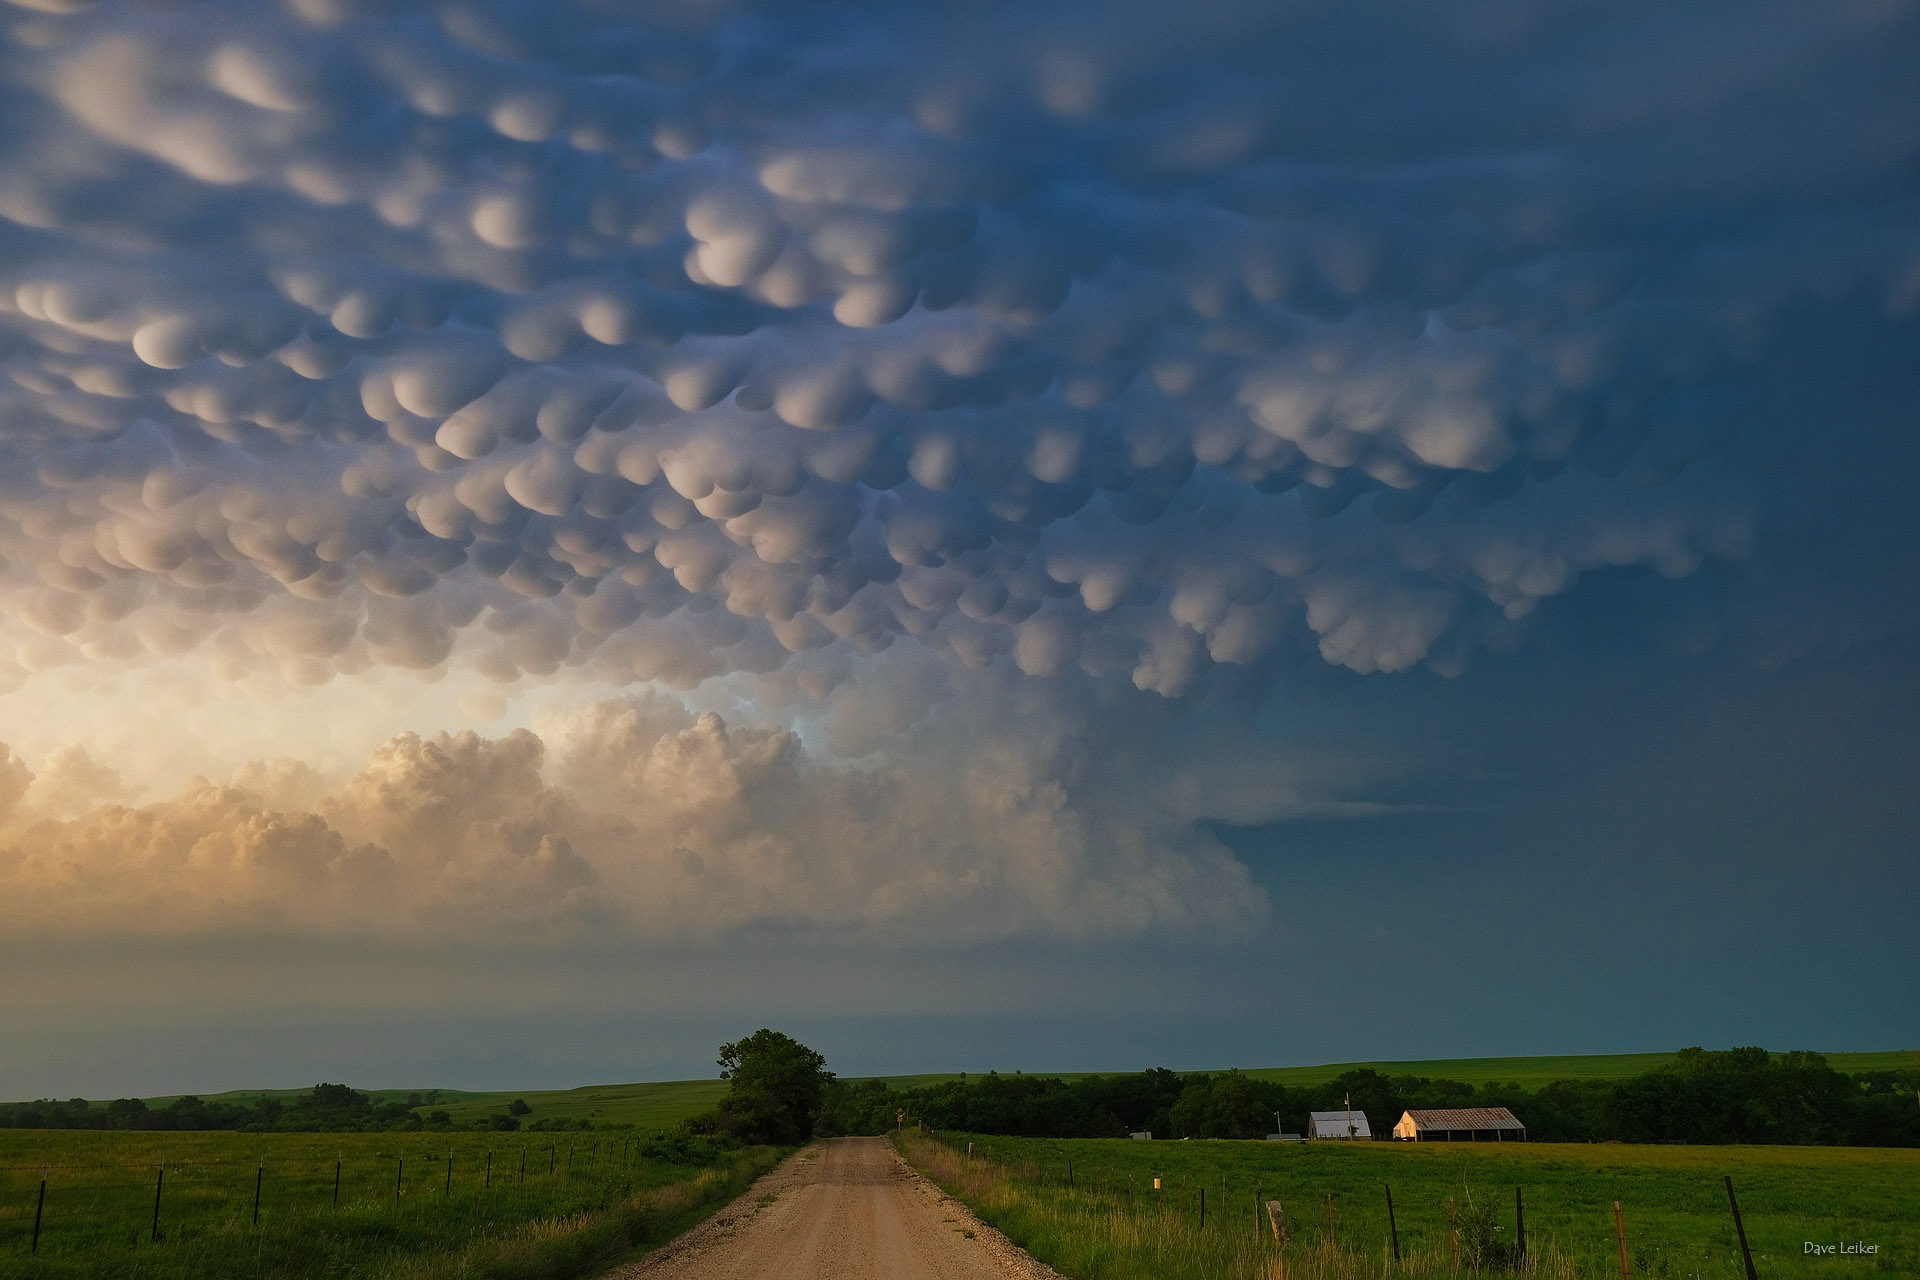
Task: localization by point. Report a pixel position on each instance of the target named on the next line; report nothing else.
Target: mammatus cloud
(641, 821)
(1067, 353)
(666, 346)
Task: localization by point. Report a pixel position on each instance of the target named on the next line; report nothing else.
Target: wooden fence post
(1620, 1234)
(1277, 1219)
(1329, 1222)
(1520, 1224)
(1393, 1228)
(1453, 1232)
(1740, 1229)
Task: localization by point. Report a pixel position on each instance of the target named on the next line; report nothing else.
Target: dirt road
(844, 1209)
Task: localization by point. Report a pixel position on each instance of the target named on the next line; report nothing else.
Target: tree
(777, 1084)
(518, 1107)
(1229, 1105)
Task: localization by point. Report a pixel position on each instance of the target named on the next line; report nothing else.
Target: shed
(1460, 1124)
(1341, 1125)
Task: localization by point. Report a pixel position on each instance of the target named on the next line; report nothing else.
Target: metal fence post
(1740, 1228)
(336, 1184)
(258, 1178)
(1393, 1228)
(38, 1206)
(1520, 1224)
(158, 1182)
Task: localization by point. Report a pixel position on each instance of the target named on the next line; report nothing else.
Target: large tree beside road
(777, 1084)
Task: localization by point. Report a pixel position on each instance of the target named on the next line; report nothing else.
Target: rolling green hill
(1534, 1072)
(662, 1104)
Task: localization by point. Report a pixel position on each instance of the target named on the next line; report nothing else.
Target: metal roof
(1335, 1123)
(1462, 1118)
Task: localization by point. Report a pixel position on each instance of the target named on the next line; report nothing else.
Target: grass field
(649, 1106)
(1109, 1224)
(385, 1206)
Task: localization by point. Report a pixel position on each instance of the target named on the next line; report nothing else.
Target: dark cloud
(1072, 461)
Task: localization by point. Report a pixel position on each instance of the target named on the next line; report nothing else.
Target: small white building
(1345, 1126)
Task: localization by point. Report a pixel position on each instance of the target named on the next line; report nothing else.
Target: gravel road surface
(843, 1209)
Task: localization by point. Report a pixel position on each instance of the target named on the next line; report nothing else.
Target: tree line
(1742, 1095)
(327, 1108)
(782, 1094)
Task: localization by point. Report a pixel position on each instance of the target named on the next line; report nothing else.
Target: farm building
(1342, 1125)
(1463, 1124)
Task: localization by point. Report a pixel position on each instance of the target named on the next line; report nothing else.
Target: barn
(1341, 1125)
(1461, 1124)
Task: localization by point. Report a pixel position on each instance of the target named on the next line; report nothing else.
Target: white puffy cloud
(649, 823)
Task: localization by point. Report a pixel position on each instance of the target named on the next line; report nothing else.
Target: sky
(536, 538)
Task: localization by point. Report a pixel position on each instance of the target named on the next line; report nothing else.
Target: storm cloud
(668, 342)
(942, 475)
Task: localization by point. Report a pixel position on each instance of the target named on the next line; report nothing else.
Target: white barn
(1341, 1125)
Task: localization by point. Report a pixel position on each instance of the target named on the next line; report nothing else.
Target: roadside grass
(1110, 1224)
(410, 1206)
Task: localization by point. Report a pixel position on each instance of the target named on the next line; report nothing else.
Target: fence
(459, 1178)
(1227, 1223)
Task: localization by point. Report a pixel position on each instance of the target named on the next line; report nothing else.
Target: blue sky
(535, 538)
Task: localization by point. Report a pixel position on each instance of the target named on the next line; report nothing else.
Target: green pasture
(1673, 1200)
(1532, 1073)
(385, 1205)
(660, 1105)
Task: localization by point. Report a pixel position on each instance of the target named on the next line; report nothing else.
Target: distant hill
(662, 1104)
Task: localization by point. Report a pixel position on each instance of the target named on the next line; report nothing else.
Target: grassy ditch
(1089, 1209)
(352, 1206)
